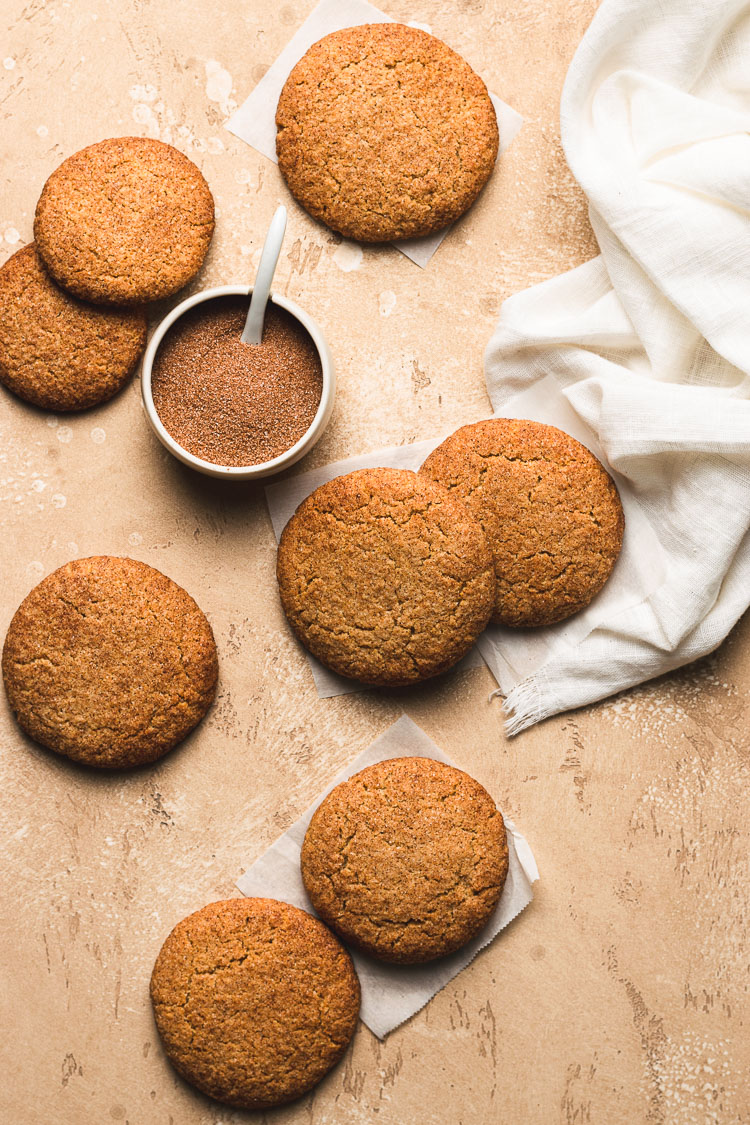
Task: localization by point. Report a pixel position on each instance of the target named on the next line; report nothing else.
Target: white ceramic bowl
(265, 468)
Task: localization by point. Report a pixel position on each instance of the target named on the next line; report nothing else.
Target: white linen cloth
(650, 342)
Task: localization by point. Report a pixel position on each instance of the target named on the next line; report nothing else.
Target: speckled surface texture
(620, 995)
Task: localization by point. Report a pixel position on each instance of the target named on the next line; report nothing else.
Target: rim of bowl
(263, 468)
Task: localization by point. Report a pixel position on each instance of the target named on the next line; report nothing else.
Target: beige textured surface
(620, 995)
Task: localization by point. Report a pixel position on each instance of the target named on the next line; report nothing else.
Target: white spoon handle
(252, 333)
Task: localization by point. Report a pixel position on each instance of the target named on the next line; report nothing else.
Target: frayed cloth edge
(523, 707)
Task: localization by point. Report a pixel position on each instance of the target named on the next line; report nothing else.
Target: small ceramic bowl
(265, 468)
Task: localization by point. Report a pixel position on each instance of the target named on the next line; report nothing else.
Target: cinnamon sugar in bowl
(234, 410)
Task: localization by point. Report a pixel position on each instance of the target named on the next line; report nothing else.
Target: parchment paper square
(392, 993)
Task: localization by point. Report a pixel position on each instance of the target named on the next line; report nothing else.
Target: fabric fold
(650, 342)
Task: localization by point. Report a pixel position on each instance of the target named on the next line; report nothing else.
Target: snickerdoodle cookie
(124, 221)
(406, 860)
(254, 1000)
(550, 510)
(109, 662)
(58, 352)
(384, 132)
(385, 577)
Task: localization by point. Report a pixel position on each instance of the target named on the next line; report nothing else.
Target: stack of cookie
(255, 1000)
(389, 576)
(121, 223)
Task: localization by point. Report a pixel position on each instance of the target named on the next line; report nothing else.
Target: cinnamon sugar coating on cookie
(384, 577)
(406, 860)
(385, 133)
(109, 662)
(124, 221)
(56, 351)
(254, 1000)
(551, 513)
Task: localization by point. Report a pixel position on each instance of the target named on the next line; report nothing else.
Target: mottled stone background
(621, 994)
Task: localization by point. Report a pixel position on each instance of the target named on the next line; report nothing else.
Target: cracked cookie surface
(109, 662)
(385, 133)
(384, 577)
(57, 352)
(124, 221)
(254, 1000)
(406, 860)
(551, 513)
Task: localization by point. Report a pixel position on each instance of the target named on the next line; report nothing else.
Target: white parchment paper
(511, 654)
(392, 993)
(255, 120)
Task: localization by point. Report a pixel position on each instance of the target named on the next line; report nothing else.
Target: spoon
(252, 333)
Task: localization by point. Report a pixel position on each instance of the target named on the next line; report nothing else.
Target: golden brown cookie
(58, 352)
(406, 860)
(385, 577)
(124, 221)
(254, 1000)
(109, 662)
(550, 510)
(384, 132)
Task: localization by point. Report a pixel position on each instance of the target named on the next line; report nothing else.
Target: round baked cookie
(384, 577)
(124, 221)
(550, 510)
(109, 662)
(384, 132)
(58, 352)
(254, 1000)
(406, 860)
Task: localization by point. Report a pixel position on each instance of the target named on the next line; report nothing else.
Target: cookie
(109, 662)
(406, 860)
(384, 577)
(550, 510)
(384, 132)
(254, 1000)
(124, 221)
(58, 352)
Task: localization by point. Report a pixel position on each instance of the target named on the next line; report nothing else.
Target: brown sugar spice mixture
(232, 403)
